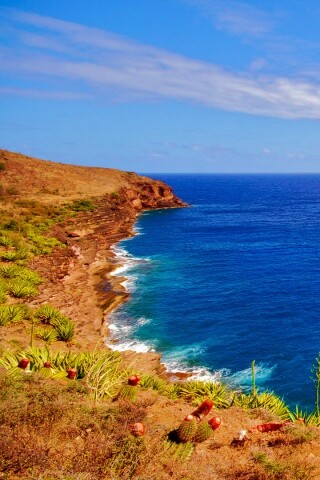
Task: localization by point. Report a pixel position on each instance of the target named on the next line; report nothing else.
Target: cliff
(77, 277)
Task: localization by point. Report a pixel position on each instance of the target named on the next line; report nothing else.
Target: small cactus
(128, 392)
(203, 433)
(187, 429)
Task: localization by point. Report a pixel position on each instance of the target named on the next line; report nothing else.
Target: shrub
(82, 206)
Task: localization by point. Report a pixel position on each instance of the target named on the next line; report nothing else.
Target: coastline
(121, 328)
(80, 279)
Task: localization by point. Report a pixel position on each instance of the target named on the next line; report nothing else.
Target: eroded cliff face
(150, 195)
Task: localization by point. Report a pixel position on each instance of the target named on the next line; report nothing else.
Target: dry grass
(56, 182)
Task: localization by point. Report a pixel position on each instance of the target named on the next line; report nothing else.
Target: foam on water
(134, 345)
(179, 359)
(243, 378)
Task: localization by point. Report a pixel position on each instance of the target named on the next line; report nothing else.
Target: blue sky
(163, 85)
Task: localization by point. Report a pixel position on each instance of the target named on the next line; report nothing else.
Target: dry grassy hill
(22, 175)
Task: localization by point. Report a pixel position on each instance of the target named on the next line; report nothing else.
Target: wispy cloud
(44, 94)
(236, 17)
(95, 63)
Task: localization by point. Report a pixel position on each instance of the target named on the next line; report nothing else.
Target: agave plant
(306, 417)
(154, 383)
(5, 241)
(15, 271)
(12, 313)
(9, 271)
(30, 276)
(48, 335)
(267, 400)
(3, 294)
(48, 314)
(64, 328)
(14, 255)
(197, 391)
(21, 289)
(105, 375)
(42, 245)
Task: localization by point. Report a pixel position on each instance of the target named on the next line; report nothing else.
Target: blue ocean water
(233, 278)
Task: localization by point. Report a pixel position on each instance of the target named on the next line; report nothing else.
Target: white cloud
(92, 62)
(34, 93)
(236, 17)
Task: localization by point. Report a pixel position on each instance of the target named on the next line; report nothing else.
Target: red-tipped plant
(47, 364)
(269, 427)
(133, 380)
(215, 422)
(203, 409)
(137, 429)
(24, 362)
(72, 373)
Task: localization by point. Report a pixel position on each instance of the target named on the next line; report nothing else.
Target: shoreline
(118, 279)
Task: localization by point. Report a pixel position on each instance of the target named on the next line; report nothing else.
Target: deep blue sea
(233, 278)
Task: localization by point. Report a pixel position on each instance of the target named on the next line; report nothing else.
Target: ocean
(231, 279)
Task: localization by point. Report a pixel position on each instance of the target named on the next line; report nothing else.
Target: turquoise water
(233, 278)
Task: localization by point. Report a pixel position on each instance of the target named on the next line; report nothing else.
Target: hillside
(58, 223)
(51, 182)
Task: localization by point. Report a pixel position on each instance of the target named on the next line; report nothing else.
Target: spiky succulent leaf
(129, 392)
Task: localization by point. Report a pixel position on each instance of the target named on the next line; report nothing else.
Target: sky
(163, 86)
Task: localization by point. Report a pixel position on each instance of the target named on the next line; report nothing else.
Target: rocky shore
(78, 278)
